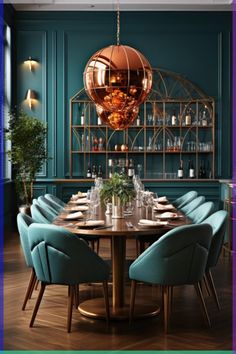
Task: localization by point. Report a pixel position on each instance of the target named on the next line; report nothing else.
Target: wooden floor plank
(187, 332)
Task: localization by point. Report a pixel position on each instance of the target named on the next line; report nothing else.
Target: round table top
(127, 226)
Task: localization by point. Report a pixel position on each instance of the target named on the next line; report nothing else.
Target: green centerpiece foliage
(28, 151)
(118, 188)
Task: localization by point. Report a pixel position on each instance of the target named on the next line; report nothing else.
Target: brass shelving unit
(156, 144)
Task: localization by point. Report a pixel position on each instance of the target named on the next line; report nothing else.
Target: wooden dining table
(118, 230)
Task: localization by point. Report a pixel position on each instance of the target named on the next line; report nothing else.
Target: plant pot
(25, 209)
(117, 208)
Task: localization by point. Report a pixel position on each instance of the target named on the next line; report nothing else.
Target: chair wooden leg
(70, 308)
(36, 307)
(36, 285)
(106, 300)
(171, 299)
(137, 248)
(33, 287)
(132, 300)
(207, 285)
(141, 246)
(166, 295)
(30, 286)
(93, 245)
(76, 295)
(213, 288)
(200, 296)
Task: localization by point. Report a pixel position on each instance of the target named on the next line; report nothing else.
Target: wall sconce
(30, 97)
(31, 63)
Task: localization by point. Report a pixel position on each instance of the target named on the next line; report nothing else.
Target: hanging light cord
(118, 23)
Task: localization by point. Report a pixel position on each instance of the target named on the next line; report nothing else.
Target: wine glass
(145, 201)
(94, 200)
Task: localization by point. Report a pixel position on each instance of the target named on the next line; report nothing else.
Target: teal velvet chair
(45, 204)
(218, 222)
(193, 205)
(184, 199)
(177, 258)
(55, 200)
(23, 223)
(41, 215)
(199, 214)
(59, 208)
(61, 258)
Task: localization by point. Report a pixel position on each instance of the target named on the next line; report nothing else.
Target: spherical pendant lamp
(118, 79)
(118, 120)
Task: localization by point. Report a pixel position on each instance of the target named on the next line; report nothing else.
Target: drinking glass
(94, 200)
(145, 201)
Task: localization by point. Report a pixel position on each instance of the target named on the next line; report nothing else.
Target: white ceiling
(125, 5)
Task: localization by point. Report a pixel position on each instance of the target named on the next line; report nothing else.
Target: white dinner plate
(90, 223)
(169, 215)
(144, 223)
(72, 216)
(77, 208)
(80, 201)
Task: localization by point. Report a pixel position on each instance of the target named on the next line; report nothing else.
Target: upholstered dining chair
(41, 215)
(59, 208)
(45, 204)
(184, 199)
(193, 205)
(23, 223)
(55, 199)
(177, 258)
(199, 214)
(218, 222)
(61, 258)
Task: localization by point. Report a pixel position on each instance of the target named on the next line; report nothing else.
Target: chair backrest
(61, 258)
(23, 223)
(45, 203)
(184, 199)
(36, 202)
(54, 205)
(193, 204)
(40, 215)
(199, 214)
(218, 222)
(179, 257)
(55, 199)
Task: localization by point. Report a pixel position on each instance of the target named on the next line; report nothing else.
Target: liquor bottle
(191, 171)
(82, 142)
(200, 171)
(100, 144)
(173, 119)
(181, 170)
(89, 173)
(94, 172)
(188, 118)
(95, 144)
(82, 118)
(130, 169)
(138, 121)
(99, 171)
(204, 119)
(99, 121)
(203, 171)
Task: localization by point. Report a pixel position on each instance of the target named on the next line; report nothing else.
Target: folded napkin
(164, 207)
(151, 222)
(168, 215)
(77, 208)
(90, 223)
(162, 199)
(80, 201)
(81, 194)
(73, 216)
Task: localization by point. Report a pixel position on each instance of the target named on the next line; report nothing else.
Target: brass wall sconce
(31, 63)
(30, 97)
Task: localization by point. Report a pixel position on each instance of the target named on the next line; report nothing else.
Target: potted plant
(117, 190)
(28, 151)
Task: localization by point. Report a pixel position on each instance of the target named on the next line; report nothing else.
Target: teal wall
(194, 44)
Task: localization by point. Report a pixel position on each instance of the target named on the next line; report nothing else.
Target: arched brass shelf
(147, 143)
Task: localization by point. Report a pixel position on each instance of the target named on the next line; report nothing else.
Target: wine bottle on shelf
(138, 121)
(188, 118)
(200, 174)
(130, 169)
(203, 170)
(94, 172)
(174, 119)
(191, 169)
(99, 121)
(204, 119)
(99, 174)
(82, 119)
(181, 170)
(89, 172)
(100, 144)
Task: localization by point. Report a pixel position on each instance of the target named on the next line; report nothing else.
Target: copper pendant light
(118, 78)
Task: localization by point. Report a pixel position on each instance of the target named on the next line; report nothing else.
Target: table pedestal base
(95, 308)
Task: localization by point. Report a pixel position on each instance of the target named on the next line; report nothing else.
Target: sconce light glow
(31, 63)
(30, 97)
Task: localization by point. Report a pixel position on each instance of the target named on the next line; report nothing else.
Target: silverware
(129, 224)
(103, 227)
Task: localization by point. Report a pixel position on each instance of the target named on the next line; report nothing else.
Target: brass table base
(95, 308)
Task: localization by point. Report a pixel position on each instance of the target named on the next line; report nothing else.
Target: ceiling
(125, 5)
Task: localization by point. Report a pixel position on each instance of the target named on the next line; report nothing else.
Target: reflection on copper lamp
(118, 78)
(31, 63)
(30, 97)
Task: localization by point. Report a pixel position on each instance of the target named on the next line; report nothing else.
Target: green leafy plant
(118, 187)
(28, 151)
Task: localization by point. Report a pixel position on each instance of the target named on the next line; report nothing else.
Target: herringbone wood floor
(188, 330)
